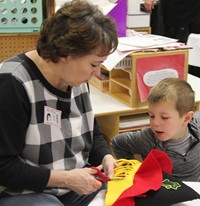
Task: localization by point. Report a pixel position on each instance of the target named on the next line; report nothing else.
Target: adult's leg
(99, 199)
(156, 20)
(74, 199)
(194, 27)
(179, 32)
(35, 199)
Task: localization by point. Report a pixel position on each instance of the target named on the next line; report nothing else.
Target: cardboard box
(133, 6)
(138, 20)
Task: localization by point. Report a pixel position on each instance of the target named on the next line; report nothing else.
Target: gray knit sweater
(185, 166)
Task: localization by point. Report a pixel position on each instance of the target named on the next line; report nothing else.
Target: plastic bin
(20, 16)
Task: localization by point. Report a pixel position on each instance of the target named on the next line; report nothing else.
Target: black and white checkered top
(43, 129)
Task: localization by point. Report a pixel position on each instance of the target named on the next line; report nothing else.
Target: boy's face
(166, 122)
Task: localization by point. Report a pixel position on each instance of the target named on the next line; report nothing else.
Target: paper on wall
(105, 5)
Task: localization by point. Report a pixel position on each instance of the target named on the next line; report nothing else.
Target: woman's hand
(81, 181)
(108, 165)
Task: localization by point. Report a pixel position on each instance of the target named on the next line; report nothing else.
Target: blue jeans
(42, 199)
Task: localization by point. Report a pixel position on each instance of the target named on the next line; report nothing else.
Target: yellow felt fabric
(126, 169)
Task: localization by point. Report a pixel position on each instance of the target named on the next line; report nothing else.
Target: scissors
(100, 176)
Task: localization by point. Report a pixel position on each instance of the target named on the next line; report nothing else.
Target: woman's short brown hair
(78, 28)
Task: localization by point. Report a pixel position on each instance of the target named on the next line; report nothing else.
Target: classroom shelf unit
(124, 81)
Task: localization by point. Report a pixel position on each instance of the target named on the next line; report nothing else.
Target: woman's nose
(97, 71)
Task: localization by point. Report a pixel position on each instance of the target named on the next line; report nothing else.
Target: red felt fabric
(148, 177)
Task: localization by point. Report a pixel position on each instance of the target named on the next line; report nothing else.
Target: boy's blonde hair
(173, 89)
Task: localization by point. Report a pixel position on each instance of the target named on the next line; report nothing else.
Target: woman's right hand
(80, 180)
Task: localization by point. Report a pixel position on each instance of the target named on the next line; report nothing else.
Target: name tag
(52, 116)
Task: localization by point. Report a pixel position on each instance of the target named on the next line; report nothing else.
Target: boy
(174, 129)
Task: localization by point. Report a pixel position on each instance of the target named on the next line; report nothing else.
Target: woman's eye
(94, 65)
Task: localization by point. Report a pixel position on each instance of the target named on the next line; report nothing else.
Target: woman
(44, 161)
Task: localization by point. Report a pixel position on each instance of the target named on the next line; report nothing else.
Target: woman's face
(78, 70)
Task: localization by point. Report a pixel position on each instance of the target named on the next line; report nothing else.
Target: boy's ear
(188, 116)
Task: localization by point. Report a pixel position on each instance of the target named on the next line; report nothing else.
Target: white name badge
(52, 116)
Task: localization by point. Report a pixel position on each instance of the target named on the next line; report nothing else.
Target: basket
(20, 16)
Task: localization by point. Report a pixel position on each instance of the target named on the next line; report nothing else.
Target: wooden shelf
(132, 129)
(123, 83)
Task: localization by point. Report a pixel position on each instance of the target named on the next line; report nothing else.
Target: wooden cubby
(103, 83)
(123, 83)
(110, 124)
